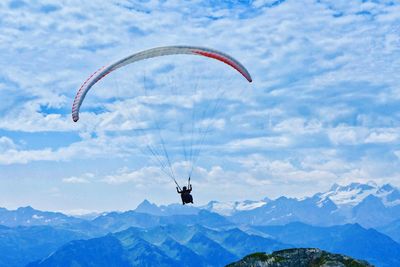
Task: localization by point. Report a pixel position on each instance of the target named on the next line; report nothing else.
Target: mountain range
(369, 205)
(28, 216)
(358, 220)
(171, 245)
(196, 245)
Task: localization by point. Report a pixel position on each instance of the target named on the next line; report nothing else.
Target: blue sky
(323, 107)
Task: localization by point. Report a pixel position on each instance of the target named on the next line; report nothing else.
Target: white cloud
(386, 136)
(258, 143)
(75, 180)
(100, 147)
(145, 176)
(6, 144)
(347, 135)
(298, 126)
(84, 179)
(210, 124)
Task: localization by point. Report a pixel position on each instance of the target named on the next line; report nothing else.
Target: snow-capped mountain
(29, 216)
(354, 193)
(367, 204)
(222, 208)
(230, 208)
(166, 210)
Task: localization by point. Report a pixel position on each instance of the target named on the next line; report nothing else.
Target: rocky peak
(300, 257)
(148, 207)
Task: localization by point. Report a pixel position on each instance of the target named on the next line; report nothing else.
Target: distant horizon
(78, 212)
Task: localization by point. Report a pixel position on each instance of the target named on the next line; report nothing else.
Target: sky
(322, 107)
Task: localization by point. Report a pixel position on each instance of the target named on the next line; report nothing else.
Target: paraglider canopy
(150, 53)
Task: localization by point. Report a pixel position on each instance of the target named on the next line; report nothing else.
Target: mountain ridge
(300, 257)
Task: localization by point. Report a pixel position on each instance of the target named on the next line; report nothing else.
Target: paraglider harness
(185, 193)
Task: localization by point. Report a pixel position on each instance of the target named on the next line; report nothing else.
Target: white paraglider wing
(150, 53)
